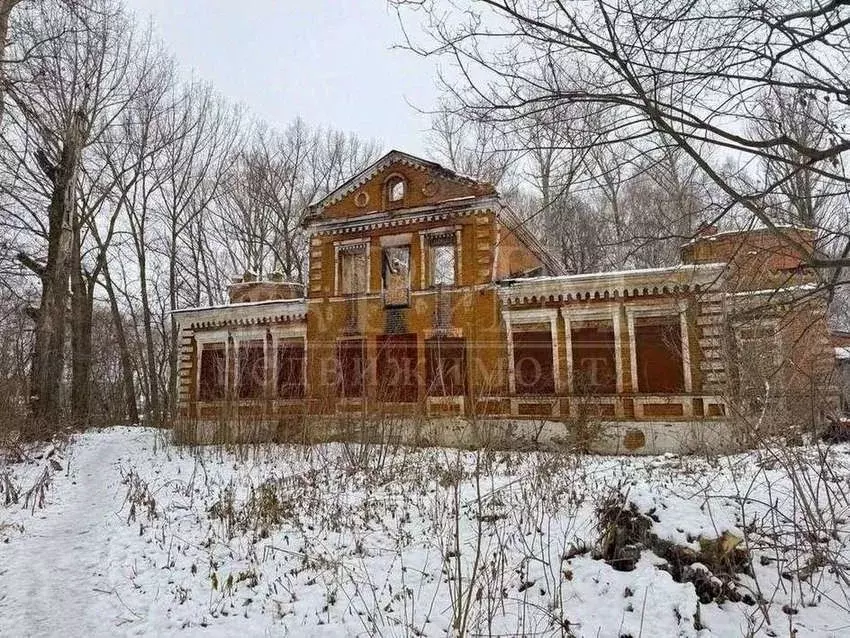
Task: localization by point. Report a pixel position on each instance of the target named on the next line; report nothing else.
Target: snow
(842, 354)
(298, 302)
(140, 538)
(750, 229)
(775, 291)
(612, 274)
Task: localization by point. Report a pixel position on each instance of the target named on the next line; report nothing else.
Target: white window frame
(601, 312)
(207, 337)
(524, 317)
(352, 245)
(287, 334)
(661, 310)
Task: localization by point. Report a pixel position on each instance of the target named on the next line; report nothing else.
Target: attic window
(395, 189)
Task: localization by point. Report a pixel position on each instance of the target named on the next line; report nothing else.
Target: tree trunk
(153, 407)
(81, 328)
(81, 350)
(173, 345)
(49, 355)
(124, 350)
(6, 7)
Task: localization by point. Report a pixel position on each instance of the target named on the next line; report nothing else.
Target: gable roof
(393, 157)
(507, 216)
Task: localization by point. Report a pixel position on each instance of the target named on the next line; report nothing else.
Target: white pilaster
(686, 347)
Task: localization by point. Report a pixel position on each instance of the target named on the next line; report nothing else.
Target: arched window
(395, 189)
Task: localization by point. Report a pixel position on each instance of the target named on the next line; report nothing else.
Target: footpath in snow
(138, 538)
(57, 578)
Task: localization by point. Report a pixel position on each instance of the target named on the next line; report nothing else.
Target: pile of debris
(713, 569)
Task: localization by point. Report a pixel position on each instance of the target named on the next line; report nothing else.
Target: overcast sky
(329, 61)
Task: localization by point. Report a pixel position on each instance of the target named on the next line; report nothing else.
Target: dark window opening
(397, 372)
(594, 360)
(395, 190)
(211, 382)
(350, 355)
(658, 343)
(252, 369)
(290, 369)
(445, 366)
(533, 369)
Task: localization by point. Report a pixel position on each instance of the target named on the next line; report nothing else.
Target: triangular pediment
(425, 183)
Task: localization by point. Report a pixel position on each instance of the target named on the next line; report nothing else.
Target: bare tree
(53, 98)
(6, 7)
(474, 148)
(691, 71)
(271, 181)
(803, 197)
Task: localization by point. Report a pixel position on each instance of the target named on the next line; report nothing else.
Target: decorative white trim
(211, 336)
(425, 265)
(388, 201)
(684, 330)
(402, 239)
(459, 255)
(393, 157)
(612, 286)
(494, 268)
(373, 220)
(215, 319)
(354, 245)
(361, 199)
(668, 309)
(606, 312)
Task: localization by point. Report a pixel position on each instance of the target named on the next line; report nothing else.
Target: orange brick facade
(425, 297)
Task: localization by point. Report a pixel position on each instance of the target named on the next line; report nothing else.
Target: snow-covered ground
(136, 537)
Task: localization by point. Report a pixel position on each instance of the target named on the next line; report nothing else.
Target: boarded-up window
(211, 381)
(594, 360)
(397, 368)
(533, 369)
(658, 343)
(350, 356)
(352, 270)
(290, 369)
(252, 369)
(445, 366)
(396, 275)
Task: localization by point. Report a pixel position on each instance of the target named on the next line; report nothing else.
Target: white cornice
(610, 285)
(375, 221)
(243, 314)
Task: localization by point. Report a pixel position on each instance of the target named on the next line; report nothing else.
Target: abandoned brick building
(428, 302)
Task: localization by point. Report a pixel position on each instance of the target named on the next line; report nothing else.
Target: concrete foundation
(614, 437)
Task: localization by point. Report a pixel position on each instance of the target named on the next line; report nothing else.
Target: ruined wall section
(515, 258)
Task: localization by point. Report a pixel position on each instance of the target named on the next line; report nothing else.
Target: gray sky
(329, 61)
